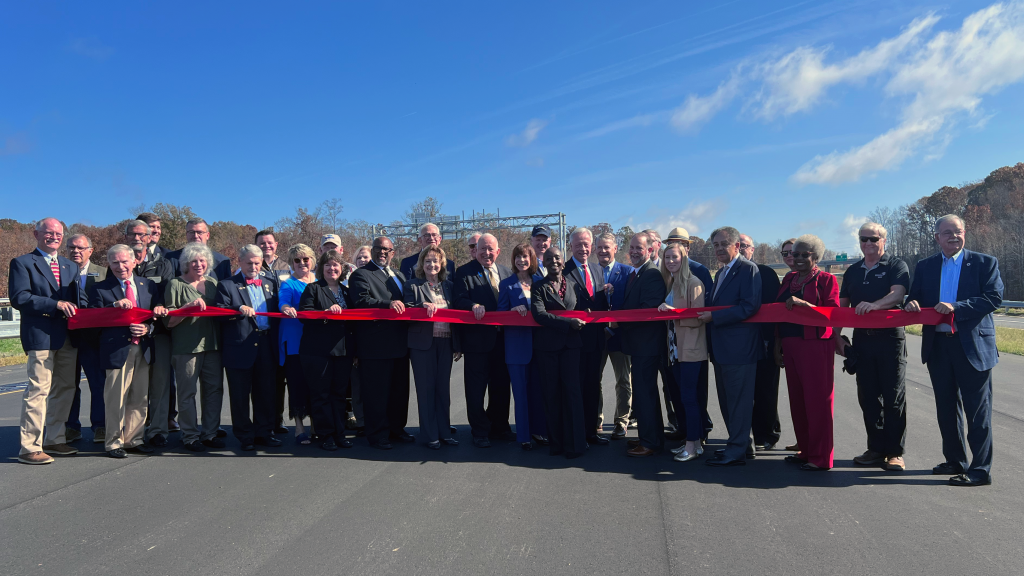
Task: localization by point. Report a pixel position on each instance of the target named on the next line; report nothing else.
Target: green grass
(1008, 340)
(11, 352)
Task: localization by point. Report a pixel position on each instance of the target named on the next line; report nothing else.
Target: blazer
(731, 340)
(518, 339)
(408, 267)
(114, 342)
(979, 293)
(691, 333)
(421, 334)
(701, 271)
(370, 287)
(473, 288)
(219, 270)
(770, 285)
(592, 334)
(645, 289)
(555, 332)
(617, 277)
(324, 337)
(89, 337)
(34, 292)
(239, 335)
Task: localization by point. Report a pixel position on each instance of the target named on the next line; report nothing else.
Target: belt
(947, 334)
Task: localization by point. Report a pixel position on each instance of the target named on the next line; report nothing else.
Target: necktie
(253, 282)
(607, 273)
(55, 268)
(719, 280)
(129, 293)
(632, 277)
(587, 281)
(492, 277)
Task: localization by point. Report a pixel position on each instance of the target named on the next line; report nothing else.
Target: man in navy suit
(196, 230)
(249, 349)
(126, 352)
(590, 296)
(484, 346)
(79, 249)
(615, 275)
(429, 235)
(736, 346)
(44, 288)
(966, 284)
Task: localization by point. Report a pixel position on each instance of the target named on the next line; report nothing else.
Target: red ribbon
(821, 316)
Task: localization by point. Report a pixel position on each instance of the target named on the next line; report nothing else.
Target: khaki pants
(125, 396)
(48, 398)
(623, 387)
(199, 373)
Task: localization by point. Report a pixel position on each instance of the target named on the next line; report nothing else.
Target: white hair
(194, 251)
(135, 224)
(41, 223)
(948, 218)
(249, 251)
(74, 237)
(816, 244)
(119, 249)
(487, 235)
(423, 229)
(579, 232)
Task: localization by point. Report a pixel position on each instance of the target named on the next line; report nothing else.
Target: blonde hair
(677, 282)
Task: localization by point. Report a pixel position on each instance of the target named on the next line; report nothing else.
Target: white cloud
(528, 135)
(690, 217)
(849, 229)
(697, 110)
(634, 122)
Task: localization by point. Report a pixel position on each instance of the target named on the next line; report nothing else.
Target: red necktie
(55, 268)
(129, 293)
(253, 281)
(587, 280)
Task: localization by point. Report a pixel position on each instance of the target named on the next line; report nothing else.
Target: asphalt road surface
(463, 510)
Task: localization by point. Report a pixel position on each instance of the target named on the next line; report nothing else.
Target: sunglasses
(303, 260)
(786, 253)
(871, 239)
(801, 254)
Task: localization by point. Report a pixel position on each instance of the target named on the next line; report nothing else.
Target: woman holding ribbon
(302, 261)
(808, 352)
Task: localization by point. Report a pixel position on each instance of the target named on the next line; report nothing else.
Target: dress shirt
(949, 281)
(259, 304)
(124, 288)
(49, 259)
(722, 275)
(83, 273)
(585, 271)
(607, 271)
(387, 270)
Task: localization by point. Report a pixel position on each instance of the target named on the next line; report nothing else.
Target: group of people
(144, 378)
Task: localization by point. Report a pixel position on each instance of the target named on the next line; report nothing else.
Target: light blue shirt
(259, 304)
(949, 281)
(394, 277)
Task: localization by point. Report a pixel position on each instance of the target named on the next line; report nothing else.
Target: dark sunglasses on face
(303, 260)
(801, 254)
(871, 239)
(786, 253)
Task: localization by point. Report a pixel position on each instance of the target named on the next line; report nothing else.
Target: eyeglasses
(383, 250)
(745, 246)
(786, 253)
(871, 239)
(79, 248)
(801, 254)
(471, 246)
(304, 259)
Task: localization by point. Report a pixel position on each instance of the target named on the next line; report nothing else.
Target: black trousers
(590, 385)
(881, 388)
(765, 421)
(398, 397)
(255, 384)
(327, 380)
(647, 401)
(563, 401)
(299, 403)
(280, 383)
(384, 388)
(486, 372)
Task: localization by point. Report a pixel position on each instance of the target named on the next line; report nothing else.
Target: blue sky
(778, 118)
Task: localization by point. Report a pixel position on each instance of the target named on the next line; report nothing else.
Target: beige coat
(691, 340)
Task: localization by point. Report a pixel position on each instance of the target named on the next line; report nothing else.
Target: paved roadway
(504, 511)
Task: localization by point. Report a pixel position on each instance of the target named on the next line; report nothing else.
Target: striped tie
(55, 268)
(130, 295)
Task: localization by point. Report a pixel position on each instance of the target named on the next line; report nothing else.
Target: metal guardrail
(1007, 304)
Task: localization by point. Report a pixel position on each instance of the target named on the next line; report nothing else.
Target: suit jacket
(421, 334)
(114, 342)
(592, 334)
(701, 271)
(408, 267)
(770, 285)
(219, 270)
(731, 340)
(555, 332)
(89, 337)
(518, 339)
(618, 277)
(34, 292)
(473, 288)
(370, 287)
(324, 337)
(239, 335)
(979, 293)
(645, 289)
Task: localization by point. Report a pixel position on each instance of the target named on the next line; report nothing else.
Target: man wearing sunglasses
(879, 281)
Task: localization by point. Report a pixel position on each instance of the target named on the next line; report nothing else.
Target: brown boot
(895, 463)
(35, 458)
(60, 449)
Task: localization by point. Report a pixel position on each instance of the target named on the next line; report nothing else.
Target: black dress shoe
(329, 445)
(721, 452)
(947, 469)
(450, 441)
(272, 442)
(542, 440)
(504, 436)
(722, 462)
(361, 432)
(214, 443)
(195, 446)
(675, 435)
(403, 437)
(248, 447)
(382, 445)
(117, 453)
(140, 449)
(794, 459)
(965, 480)
(280, 429)
(527, 445)
(453, 429)
(343, 443)
(481, 442)
(435, 445)
(222, 433)
(158, 441)
(599, 440)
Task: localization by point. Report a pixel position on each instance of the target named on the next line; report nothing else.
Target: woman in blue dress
(303, 262)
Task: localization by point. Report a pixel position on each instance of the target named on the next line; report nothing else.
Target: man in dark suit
(615, 275)
(484, 346)
(430, 235)
(735, 346)
(382, 348)
(766, 427)
(196, 230)
(126, 352)
(154, 251)
(44, 288)
(79, 249)
(968, 285)
(249, 348)
(590, 296)
(644, 342)
(468, 266)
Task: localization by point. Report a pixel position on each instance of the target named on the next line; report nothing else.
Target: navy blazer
(979, 293)
(220, 269)
(421, 334)
(555, 332)
(617, 277)
(646, 289)
(518, 339)
(408, 267)
(239, 335)
(730, 339)
(324, 337)
(34, 292)
(114, 342)
(370, 287)
(593, 333)
(471, 288)
(703, 274)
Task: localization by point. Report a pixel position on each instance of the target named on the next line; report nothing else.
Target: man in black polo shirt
(879, 282)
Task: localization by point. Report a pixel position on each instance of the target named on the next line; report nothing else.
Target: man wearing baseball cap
(540, 238)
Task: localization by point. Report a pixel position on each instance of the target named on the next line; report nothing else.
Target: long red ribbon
(820, 316)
